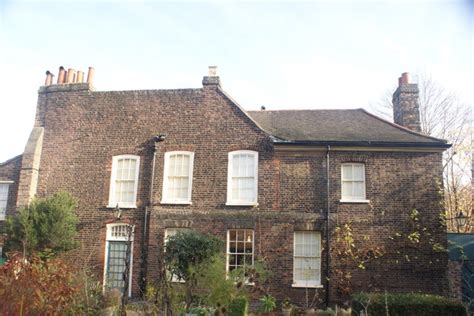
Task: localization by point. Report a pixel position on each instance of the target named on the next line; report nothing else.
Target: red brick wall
(10, 171)
(84, 130)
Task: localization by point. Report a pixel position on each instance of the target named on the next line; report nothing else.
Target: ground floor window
(3, 198)
(172, 231)
(240, 248)
(307, 259)
(119, 257)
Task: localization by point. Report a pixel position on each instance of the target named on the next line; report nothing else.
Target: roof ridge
(300, 110)
(244, 112)
(10, 160)
(402, 127)
(149, 90)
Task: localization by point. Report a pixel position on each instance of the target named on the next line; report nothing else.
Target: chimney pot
(212, 71)
(61, 75)
(49, 78)
(80, 77)
(71, 73)
(405, 78)
(212, 79)
(90, 75)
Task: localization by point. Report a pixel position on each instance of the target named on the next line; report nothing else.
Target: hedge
(407, 304)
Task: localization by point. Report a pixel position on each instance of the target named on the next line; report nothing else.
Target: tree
(47, 226)
(444, 116)
(184, 253)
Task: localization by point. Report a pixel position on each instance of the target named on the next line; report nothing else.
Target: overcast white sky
(285, 55)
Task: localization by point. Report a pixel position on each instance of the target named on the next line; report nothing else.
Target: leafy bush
(187, 254)
(407, 304)
(267, 303)
(187, 249)
(45, 287)
(238, 306)
(215, 289)
(46, 226)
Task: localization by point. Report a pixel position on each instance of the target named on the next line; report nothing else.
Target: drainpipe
(328, 233)
(157, 139)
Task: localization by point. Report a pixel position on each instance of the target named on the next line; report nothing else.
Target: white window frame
(110, 237)
(4, 213)
(165, 196)
(174, 278)
(228, 253)
(112, 201)
(231, 155)
(353, 199)
(307, 283)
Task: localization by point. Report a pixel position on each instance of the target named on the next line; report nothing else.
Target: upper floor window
(242, 178)
(178, 177)
(124, 181)
(3, 198)
(353, 182)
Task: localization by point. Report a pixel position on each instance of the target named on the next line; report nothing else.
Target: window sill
(241, 203)
(178, 281)
(313, 286)
(176, 202)
(121, 206)
(354, 201)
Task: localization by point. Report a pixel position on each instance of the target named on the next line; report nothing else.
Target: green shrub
(187, 249)
(238, 306)
(46, 227)
(267, 304)
(406, 304)
(186, 253)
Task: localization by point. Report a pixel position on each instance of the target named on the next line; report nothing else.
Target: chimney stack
(212, 79)
(406, 108)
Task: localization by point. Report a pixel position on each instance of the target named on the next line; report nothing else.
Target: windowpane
(242, 178)
(307, 257)
(358, 172)
(178, 177)
(3, 199)
(125, 171)
(353, 181)
(347, 172)
(240, 248)
(346, 188)
(358, 189)
(116, 265)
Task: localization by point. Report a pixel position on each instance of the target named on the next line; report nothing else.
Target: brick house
(263, 181)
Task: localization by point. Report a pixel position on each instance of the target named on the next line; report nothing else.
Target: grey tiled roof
(345, 126)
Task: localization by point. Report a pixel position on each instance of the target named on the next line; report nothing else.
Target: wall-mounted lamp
(117, 212)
